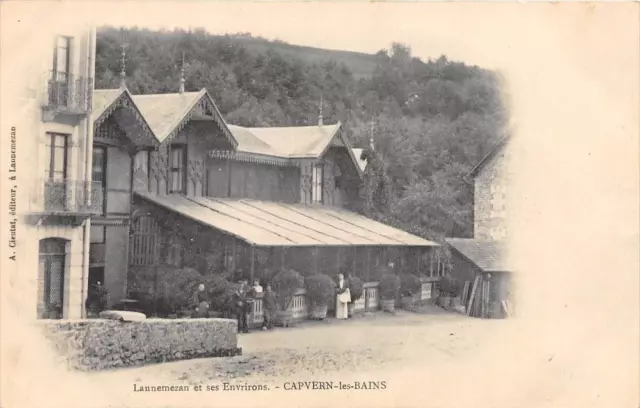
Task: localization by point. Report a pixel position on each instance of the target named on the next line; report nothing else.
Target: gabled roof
(273, 224)
(293, 142)
(490, 256)
(168, 113)
(105, 101)
(494, 150)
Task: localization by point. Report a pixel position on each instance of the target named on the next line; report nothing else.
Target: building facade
(490, 180)
(60, 195)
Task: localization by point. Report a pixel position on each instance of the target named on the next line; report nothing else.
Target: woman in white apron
(343, 297)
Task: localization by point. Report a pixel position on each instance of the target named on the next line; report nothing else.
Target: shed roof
(270, 224)
(490, 256)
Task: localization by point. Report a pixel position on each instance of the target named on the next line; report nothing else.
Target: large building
(59, 197)
(481, 262)
(124, 184)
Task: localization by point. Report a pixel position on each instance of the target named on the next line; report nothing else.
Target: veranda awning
(269, 224)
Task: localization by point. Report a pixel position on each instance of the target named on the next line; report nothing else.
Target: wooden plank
(465, 292)
(505, 307)
(473, 294)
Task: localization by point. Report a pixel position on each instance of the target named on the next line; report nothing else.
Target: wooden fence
(367, 302)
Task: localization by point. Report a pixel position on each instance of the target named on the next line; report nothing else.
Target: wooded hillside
(432, 120)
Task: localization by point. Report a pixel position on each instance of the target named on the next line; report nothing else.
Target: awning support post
(253, 263)
(355, 254)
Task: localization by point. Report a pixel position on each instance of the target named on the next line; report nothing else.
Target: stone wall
(490, 198)
(102, 344)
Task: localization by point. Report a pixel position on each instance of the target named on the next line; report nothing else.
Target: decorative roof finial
(320, 116)
(123, 75)
(182, 75)
(371, 144)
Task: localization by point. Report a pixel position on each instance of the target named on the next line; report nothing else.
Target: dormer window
(178, 165)
(316, 184)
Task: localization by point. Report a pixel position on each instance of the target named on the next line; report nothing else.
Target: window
(178, 167)
(97, 245)
(316, 184)
(61, 57)
(56, 161)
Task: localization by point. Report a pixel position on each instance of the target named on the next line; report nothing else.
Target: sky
(572, 74)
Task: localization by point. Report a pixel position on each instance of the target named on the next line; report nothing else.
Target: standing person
(343, 297)
(256, 289)
(268, 308)
(201, 300)
(240, 303)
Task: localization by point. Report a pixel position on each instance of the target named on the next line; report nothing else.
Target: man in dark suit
(241, 303)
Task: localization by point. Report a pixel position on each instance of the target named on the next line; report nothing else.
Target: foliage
(320, 289)
(285, 284)
(432, 120)
(410, 284)
(389, 286)
(355, 287)
(165, 290)
(97, 299)
(449, 287)
(220, 291)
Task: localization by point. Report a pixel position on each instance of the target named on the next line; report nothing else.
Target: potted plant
(410, 286)
(356, 287)
(285, 284)
(389, 288)
(320, 292)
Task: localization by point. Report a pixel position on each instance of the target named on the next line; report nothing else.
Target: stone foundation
(101, 344)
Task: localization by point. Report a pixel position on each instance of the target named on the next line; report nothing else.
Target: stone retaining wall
(101, 344)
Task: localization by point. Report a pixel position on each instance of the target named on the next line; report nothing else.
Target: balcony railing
(66, 93)
(67, 197)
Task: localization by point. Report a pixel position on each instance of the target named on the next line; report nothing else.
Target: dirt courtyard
(433, 360)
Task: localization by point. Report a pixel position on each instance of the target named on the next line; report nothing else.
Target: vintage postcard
(318, 204)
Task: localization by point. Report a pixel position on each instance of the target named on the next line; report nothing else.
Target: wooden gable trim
(340, 134)
(204, 101)
(125, 100)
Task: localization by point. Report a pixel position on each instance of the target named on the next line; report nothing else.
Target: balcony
(66, 94)
(66, 200)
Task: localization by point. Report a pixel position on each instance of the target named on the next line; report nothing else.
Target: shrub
(285, 284)
(389, 286)
(220, 292)
(410, 284)
(97, 299)
(320, 289)
(356, 287)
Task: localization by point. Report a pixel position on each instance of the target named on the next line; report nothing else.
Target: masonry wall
(490, 198)
(103, 344)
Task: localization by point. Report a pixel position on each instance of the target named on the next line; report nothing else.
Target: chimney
(181, 90)
(320, 117)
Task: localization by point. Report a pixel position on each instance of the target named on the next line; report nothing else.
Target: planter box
(388, 306)
(284, 318)
(407, 302)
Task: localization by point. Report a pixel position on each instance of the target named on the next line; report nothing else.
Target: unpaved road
(440, 360)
